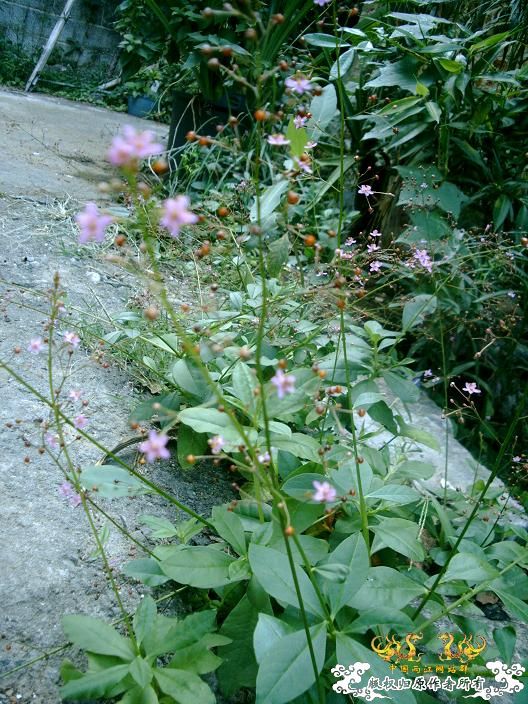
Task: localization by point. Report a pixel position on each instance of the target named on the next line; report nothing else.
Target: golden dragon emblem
(392, 647)
(465, 649)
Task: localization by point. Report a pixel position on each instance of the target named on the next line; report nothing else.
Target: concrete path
(52, 158)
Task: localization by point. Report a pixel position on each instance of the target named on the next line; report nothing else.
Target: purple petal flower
(471, 388)
(127, 149)
(324, 492)
(92, 224)
(365, 190)
(278, 140)
(68, 492)
(36, 345)
(176, 213)
(298, 84)
(216, 444)
(154, 447)
(284, 383)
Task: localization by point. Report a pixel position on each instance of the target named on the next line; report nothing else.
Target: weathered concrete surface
(46, 545)
(53, 147)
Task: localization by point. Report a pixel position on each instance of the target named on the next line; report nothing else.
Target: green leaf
(399, 535)
(395, 493)
(324, 109)
(269, 201)
(112, 482)
(353, 554)
(381, 616)
(212, 421)
(325, 41)
(415, 310)
(489, 42)
(385, 587)
(400, 73)
(272, 569)
(383, 415)
(97, 637)
(138, 695)
(229, 527)
(196, 658)
(434, 110)
(415, 469)
(505, 638)
(198, 566)
(239, 668)
(286, 670)
(501, 210)
(160, 527)
(404, 389)
(418, 435)
(94, 685)
(300, 445)
(517, 608)
(278, 253)
(342, 65)
(451, 66)
(268, 632)
(141, 671)
(470, 568)
(298, 138)
(144, 618)
(146, 570)
(244, 384)
(189, 379)
(190, 443)
(185, 687)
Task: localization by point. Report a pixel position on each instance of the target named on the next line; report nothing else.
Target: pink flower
(428, 373)
(517, 458)
(176, 213)
(70, 338)
(321, 3)
(284, 383)
(264, 458)
(422, 256)
(298, 84)
(303, 165)
(51, 441)
(131, 146)
(375, 233)
(216, 444)
(350, 241)
(299, 121)
(372, 248)
(69, 493)
(324, 492)
(365, 190)
(92, 224)
(75, 394)
(345, 255)
(310, 145)
(36, 345)
(375, 266)
(155, 447)
(471, 388)
(278, 140)
(80, 422)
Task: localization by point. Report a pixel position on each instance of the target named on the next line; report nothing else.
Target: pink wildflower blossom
(176, 213)
(310, 145)
(75, 394)
(471, 388)
(264, 458)
(372, 248)
(216, 444)
(303, 165)
(517, 458)
(278, 140)
(299, 121)
(365, 190)
(321, 3)
(69, 493)
(324, 492)
(375, 233)
(36, 345)
(51, 441)
(284, 383)
(92, 224)
(154, 447)
(350, 241)
(131, 146)
(428, 373)
(80, 422)
(423, 258)
(298, 84)
(70, 338)
(375, 266)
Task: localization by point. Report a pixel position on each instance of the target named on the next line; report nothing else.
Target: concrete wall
(87, 38)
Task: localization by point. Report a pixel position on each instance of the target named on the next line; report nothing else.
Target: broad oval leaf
(199, 566)
(97, 637)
